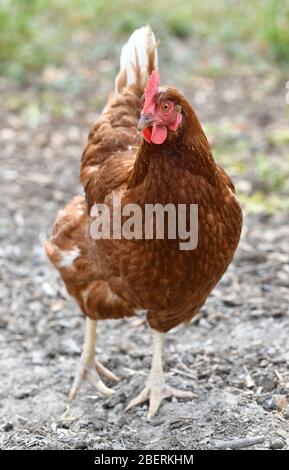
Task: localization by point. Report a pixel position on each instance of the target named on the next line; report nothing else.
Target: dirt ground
(234, 356)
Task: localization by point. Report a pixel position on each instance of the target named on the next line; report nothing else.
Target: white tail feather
(138, 58)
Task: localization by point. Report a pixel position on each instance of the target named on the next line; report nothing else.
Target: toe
(105, 372)
(175, 392)
(76, 385)
(155, 394)
(142, 397)
(155, 403)
(93, 378)
(72, 393)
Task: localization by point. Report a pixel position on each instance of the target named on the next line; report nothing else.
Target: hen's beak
(145, 121)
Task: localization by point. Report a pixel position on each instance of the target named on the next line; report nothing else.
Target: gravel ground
(234, 356)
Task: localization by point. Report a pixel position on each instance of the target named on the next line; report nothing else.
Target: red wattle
(147, 133)
(159, 134)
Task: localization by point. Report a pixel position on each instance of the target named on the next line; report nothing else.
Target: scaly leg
(89, 368)
(156, 389)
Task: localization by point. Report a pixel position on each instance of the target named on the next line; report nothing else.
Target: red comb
(151, 90)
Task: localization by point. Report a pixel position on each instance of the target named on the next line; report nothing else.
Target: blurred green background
(36, 32)
(59, 58)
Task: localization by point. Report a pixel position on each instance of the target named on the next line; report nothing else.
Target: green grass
(39, 34)
(34, 33)
(262, 178)
(276, 28)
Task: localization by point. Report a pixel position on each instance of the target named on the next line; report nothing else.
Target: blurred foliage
(36, 36)
(276, 28)
(268, 172)
(36, 32)
(262, 177)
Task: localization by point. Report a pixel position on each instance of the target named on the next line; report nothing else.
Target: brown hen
(171, 165)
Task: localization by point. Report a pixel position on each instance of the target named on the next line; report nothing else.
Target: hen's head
(162, 111)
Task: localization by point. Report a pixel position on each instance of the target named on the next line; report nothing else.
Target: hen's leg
(156, 389)
(89, 368)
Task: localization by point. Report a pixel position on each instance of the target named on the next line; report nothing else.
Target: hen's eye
(165, 107)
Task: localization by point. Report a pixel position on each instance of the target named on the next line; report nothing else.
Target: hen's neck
(159, 167)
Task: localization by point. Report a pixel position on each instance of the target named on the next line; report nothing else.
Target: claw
(140, 398)
(105, 372)
(156, 393)
(93, 378)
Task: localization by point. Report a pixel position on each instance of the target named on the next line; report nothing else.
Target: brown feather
(111, 278)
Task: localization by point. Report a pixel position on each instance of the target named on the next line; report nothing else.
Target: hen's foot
(89, 368)
(155, 391)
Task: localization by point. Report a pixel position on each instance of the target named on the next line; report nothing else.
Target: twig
(133, 371)
(183, 373)
(278, 375)
(239, 443)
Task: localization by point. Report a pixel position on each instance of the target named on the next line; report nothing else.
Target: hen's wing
(69, 251)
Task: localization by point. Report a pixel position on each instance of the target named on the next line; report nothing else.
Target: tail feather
(138, 59)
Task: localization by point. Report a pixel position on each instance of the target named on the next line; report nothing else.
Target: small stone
(117, 446)
(7, 427)
(274, 402)
(277, 312)
(26, 393)
(51, 354)
(84, 423)
(114, 401)
(118, 408)
(188, 359)
(3, 323)
(121, 422)
(276, 444)
(22, 420)
(100, 414)
(64, 425)
(48, 289)
(98, 425)
(268, 404)
(112, 419)
(267, 383)
(69, 347)
(79, 444)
